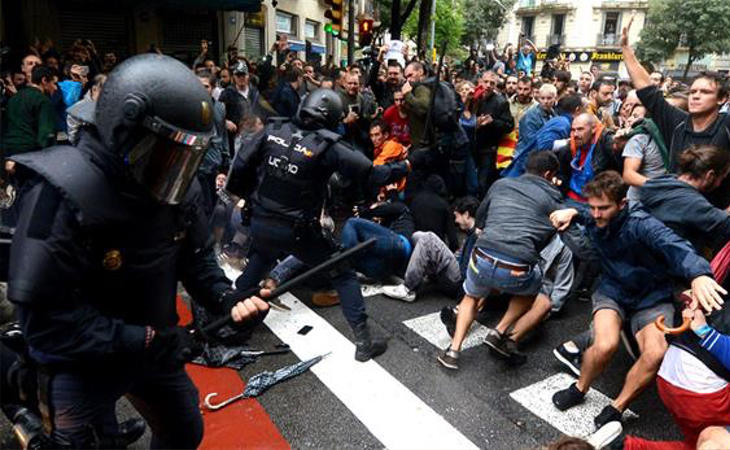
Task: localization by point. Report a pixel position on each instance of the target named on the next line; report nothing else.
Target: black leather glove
(172, 347)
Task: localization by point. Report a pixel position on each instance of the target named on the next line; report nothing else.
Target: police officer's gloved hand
(172, 347)
(419, 159)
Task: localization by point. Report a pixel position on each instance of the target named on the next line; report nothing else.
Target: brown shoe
(325, 298)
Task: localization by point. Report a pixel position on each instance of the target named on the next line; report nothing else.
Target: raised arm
(639, 75)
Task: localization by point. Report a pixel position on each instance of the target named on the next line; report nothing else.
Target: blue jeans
(273, 239)
(483, 276)
(167, 400)
(472, 181)
(389, 255)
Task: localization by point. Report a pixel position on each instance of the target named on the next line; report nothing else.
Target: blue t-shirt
(525, 62)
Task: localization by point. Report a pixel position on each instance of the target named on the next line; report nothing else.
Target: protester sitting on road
(589, 152)
(432, 260)
(678, 202)
(432, 212)
(694, 380)
(639, 256)
(645, 153)
(505, 258)
(386, 149)
(389, 256)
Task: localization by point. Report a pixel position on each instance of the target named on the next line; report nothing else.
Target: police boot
(367, 347)
(128, 432)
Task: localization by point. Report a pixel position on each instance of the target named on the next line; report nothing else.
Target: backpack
(445, 113)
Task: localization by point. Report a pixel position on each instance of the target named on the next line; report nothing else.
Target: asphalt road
(475, 400)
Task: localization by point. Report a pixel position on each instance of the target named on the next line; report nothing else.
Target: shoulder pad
(277, 122)
(329, 136)
(80, 181)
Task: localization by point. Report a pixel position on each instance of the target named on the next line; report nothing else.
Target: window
(610, 23)
(558, 24)
(311, 30)
(286, 23)
(527, 25)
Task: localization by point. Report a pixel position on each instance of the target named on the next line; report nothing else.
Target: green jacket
(31, 122)
(416, 104)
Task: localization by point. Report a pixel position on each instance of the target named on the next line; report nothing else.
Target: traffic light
(336, 14)
(365, 28)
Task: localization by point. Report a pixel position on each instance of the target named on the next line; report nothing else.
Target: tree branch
(408, 10)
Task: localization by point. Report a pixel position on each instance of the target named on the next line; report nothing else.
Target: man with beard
(522, 100)
(510, 86)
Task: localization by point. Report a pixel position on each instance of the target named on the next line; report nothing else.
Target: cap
(240, 68)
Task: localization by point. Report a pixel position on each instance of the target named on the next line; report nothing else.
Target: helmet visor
(164, 167)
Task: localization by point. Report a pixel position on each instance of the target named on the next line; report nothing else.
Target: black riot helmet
(154, 113)
(321, 109)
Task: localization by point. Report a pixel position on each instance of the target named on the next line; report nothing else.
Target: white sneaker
(400, 292)
(371, 290)
(607, 436)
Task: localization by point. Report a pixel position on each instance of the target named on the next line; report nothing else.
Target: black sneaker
(570, 360)
(495, 341)
(448, 318)
(449, 359)
(607, 414)
(568, 397)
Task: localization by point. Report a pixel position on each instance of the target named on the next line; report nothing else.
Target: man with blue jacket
(639, 256)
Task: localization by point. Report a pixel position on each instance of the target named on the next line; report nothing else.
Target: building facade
(128, 27)
(588, 31)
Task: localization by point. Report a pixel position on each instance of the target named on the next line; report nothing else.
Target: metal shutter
(108, 32)
(253, 42)
(182, 33)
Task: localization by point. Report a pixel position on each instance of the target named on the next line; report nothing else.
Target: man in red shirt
(397, 119)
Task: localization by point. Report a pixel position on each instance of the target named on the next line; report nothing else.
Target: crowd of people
(489, 179)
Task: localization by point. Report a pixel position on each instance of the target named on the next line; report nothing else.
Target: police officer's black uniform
(105, 233)
(282, 173)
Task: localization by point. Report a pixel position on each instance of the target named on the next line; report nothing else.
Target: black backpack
(445, 113)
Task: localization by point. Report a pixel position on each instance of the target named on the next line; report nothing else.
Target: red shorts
(691, 411)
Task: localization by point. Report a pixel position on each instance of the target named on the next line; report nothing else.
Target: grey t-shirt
(641, 146)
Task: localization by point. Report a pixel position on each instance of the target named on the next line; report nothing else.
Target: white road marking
(430, 328)
(389, 410)
(577, 421)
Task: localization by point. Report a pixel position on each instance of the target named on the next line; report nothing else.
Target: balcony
(554, 39)
(608, 40)
(556, 5)
(535, 6)
(624, 4)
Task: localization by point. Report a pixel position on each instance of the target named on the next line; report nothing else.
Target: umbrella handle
(659, 322)
(222, 404)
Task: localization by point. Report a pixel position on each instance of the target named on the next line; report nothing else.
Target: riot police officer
(282, 172)
(106, 231)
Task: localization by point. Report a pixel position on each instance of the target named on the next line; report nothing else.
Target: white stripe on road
(431, 329)
(577, 421)
(391, 412)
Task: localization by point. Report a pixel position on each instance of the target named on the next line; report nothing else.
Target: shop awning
(296, 46)
(316, 48)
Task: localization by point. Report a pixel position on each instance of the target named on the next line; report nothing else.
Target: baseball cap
(240, 68)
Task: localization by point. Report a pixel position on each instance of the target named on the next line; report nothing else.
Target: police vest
(292, 174)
